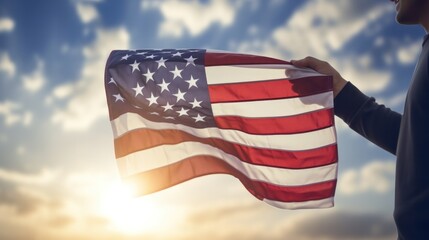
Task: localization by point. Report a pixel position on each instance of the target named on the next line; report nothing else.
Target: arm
(375, 122)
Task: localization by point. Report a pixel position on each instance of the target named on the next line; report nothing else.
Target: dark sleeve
(373, 121)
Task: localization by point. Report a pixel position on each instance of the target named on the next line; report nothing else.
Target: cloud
(34, 81)
(12, 114)
(7, 65)
(87, 102)
(409, 54)
(376, 176)
(86, 12)
(322, 28)
(193, 16)
(340, 225)
(6, 25)
(43, 177)
(225, 211)
(23, 191)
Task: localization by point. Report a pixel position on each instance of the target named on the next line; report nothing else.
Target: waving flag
(181, 114)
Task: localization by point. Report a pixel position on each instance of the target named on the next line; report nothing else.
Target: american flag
(178, 114)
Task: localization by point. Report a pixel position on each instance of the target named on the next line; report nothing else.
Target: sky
(58, 176)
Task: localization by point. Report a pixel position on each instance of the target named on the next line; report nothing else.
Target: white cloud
(34, 81)
(87, 102)
(6, 24)
(13, 114)
(376, 176)
(87, 12)
(321, 28)
(21, 150)
(408, 54)
(193, 16)
(7, 65)
(43, 177)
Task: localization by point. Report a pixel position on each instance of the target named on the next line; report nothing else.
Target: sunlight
(128, 214)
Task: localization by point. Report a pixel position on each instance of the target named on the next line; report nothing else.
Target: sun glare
(128, 214)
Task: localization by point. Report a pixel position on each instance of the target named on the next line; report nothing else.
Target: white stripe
(322, 203)
(275, 108)
(293, 142)
(255, 72)
(165, 155)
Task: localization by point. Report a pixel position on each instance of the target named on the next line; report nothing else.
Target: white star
(125, 57)
(177, 72)
(149, 75)
(151, 56)
(164, 86)
(154, 113)
(199, 118)
(138, 90)
(180, 95)
(161, 62)
(167, 107)
(112, 81)
(152, 99)
(196, 103)
(190, 60)
(177, 54)
(135, 66)
(118, 97)
(183, 112)
(192, 82)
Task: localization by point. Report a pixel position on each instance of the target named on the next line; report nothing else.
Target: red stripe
(141, 139)
(280, 125)
(217, 59)
(270, 89)
(162, 178)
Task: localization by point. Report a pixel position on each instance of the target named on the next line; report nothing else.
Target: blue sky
(58, 178)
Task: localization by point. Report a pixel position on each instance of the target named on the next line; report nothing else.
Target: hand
(323, 68)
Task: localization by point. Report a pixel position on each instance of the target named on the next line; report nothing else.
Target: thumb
(308, 62)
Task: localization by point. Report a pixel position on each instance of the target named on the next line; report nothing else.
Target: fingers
(309, 62)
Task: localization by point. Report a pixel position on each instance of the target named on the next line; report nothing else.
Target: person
(405, 135)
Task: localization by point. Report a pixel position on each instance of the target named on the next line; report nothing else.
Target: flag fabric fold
(178, 114)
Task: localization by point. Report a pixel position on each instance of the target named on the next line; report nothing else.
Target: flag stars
(152, 99)
(180, 95)
(149, 75)
(135, 66)
(192, 82)
(161, 62)
(177, 54)
(167, 107)
(183, 112)
(199, 118)
(164, 86)
(125, 57)
(150, 56)
(177, 72)
(138, 90)
(190, 61)
(118, 97)
(196, 103)
(112, 81)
